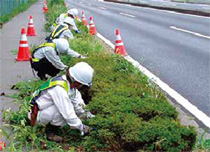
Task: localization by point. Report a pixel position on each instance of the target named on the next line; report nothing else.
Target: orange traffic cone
(83, 19)
(44, 8)
(30, 29)
(92, 28)
(119, 47)
(2, 145)
(23, 50)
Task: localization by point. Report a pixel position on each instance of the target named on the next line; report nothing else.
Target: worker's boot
(55, 138)
(51, 132)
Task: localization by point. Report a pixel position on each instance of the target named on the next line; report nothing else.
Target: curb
(177, 7)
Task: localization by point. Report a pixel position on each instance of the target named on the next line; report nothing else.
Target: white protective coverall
(59, 108)
(52, 57)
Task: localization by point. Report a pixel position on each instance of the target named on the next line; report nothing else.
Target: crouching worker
(58, 102)
(45, 58)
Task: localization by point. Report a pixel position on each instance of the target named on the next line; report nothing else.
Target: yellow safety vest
(51, 44)
(59, 29)
(56, 81)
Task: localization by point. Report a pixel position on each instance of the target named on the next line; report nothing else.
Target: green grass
(203, 144)
(131, 113)
(16, 11)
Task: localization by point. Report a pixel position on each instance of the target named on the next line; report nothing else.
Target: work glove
(89, 115)
(82, 57)
(78, 31)
(65, 67)
(85, 130)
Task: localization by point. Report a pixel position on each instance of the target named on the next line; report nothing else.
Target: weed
(14, 52)
(203, 144)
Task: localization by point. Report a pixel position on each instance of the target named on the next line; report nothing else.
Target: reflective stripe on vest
(51, 44)
(58, 31)
(56, 81)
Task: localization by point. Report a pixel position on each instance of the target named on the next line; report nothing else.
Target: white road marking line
(180, 99)
(186, 31)
(127, 15)
(80, 2)
(90, 4)
(100, 0)
(103, 8)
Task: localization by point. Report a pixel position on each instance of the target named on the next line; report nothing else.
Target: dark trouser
(44, 67)
(51, 129)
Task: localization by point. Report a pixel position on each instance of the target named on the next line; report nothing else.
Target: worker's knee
(45, 116)
(50, 115)
(58, 120)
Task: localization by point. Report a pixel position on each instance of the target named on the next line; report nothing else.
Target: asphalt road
(175, 47)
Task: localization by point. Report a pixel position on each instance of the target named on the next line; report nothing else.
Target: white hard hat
(62, 45)
(73, 12)
(82, 73)
(69, 20)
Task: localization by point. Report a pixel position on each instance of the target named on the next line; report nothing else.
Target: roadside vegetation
(18, 9)
(131, 113)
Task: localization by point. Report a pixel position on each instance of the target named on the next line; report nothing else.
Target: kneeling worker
(58, 102)
(46, 60)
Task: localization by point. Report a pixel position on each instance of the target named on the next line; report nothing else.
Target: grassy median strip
(131, 113)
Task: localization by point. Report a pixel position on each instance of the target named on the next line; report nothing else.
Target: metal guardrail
(193, 1)
(181, 1)
(7, 6)
(190, 8)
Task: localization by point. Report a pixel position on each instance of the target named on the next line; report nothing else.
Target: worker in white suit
(45, 58)
(62, 30)
(58, 102)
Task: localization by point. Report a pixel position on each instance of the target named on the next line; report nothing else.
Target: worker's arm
(53, 58)
(67, 34)
(74, 27)
(72, 53)
(79, 105)
(65, 107)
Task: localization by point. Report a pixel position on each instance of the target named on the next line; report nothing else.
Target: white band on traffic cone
(23, 45)
(23, 37)
(119, 44)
